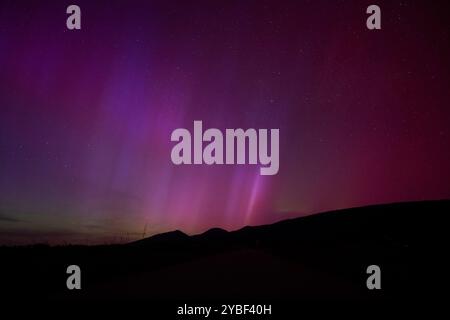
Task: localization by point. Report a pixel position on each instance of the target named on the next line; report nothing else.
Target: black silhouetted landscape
(322, 256)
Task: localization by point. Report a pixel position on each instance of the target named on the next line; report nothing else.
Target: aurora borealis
(86, 115)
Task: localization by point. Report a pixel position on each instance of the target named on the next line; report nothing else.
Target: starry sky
(86, 115)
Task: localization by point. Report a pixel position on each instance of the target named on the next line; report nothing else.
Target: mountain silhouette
(322, 256)
(163, 238)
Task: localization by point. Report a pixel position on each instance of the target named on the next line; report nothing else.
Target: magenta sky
(86, 116)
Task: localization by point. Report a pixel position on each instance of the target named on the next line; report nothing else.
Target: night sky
(86, 115)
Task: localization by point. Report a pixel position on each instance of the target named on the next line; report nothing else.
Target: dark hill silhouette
(213, 232)
(318, 256)
(211, 237)
(163, 238)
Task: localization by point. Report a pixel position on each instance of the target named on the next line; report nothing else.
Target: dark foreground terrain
(323, 256)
